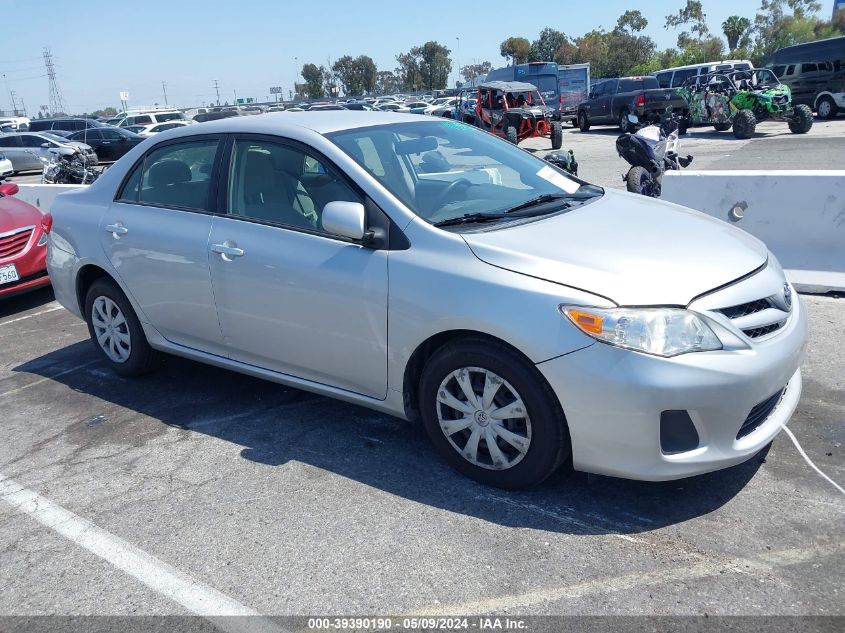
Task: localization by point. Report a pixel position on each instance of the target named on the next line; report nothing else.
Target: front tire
(583, 122)
(722, 127)
(744, 124)
(624, 123)
(802, 120)
(557, 135)
(491, 415)
(510, 134)
(827, 108)
(115, 330)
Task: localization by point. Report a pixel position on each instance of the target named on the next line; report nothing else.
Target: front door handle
(227, 250)
(117, 229)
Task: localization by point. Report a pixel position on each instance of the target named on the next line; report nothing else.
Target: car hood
(15, 214)
(630, 249)
(79, 145)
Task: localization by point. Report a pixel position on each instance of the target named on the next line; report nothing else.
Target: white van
(674, 77)
(146, 117)
(15, 124)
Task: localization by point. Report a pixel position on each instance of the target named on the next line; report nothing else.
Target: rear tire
(537, 436)
(583, 122)
(115, 330)
(624, 123)
(744, 124)
(510, 134)
(802, 120)
(639, 181)
(557, 135)
(722, 127)
(827, 108)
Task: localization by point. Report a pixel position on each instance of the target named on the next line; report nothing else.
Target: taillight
(640, 101)
(47, 223)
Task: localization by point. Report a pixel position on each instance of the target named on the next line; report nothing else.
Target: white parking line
(156, 574)
(34, 314)
(46, 378)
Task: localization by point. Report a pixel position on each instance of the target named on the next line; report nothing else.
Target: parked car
(320, 107)
(358, 105)
(147, 117)
(24, 149)
(389, 107)
(110, 143)
(15, 123)
(814, 72)
(69, 124)
(23, 244)
(532, 317)
(677, 76)
(155, 128)
(6, 167)
(612, 100)
(441, 107)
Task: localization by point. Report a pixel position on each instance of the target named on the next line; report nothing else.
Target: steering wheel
(450, 189)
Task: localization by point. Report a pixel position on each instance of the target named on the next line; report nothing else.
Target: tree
(517, 48)
(407, 72)
(386, 82)
(472, 72)
(593, 49)
(367, 71)
(693, 15)
(630, 22)
(434, 64)
(348, 76)
(313, 77)
(736, 29)
(774, 28)
(545, 47)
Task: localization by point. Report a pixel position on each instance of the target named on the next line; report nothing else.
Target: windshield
(445, 169)
(54, 137)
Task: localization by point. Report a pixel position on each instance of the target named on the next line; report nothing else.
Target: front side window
(445, 169)
(177, 175)
(279, 183)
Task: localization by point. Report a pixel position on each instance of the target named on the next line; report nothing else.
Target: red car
(23, 244)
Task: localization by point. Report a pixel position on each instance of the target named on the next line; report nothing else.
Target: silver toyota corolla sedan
(427, 269)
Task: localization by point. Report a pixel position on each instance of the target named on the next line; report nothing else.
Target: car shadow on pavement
(275, 425)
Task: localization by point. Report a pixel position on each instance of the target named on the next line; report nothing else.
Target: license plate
(8, 274)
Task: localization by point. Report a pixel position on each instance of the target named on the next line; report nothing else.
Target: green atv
(738, 99)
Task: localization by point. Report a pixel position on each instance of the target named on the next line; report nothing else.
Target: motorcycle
(66, 169)
(652, 151)
(563, 159)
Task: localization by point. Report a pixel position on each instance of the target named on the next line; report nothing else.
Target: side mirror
(345, 219)
(45, 145)
(9, 189)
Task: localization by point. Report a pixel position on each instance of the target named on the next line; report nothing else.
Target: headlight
(658, 331)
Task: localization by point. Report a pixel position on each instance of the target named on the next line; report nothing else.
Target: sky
(251, 45)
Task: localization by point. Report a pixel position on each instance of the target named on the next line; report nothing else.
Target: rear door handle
(117, 229)
(227, 250)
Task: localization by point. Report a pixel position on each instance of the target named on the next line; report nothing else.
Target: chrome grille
(744, 309)
(757, 318)
(14, 242)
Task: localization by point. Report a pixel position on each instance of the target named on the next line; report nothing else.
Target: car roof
(323, 122)
(508, 86)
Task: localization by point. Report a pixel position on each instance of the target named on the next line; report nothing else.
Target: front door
(290, 297)
(156, 237)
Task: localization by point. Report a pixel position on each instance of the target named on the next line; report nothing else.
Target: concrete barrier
(42, 196)
(800, 215)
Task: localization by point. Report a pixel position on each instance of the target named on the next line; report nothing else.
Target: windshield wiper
(470, 218)
(533, 202)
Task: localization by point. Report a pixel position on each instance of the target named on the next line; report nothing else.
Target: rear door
(12, 147)
(155, 235)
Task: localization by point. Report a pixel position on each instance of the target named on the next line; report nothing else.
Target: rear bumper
(613, 400)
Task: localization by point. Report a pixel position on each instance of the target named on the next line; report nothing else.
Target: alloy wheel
(484, 418)
(111, 329)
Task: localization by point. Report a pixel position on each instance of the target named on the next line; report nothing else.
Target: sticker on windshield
(558, 180)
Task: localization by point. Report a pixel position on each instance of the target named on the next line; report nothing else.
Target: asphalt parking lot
(196, 486)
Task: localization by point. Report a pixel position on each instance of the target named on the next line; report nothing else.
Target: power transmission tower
(56, 102)
(164, 90)
(217, 89)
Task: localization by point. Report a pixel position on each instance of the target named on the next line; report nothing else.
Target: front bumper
(31, 264)
(613, 400)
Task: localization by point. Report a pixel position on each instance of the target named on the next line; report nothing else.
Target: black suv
(68, 124)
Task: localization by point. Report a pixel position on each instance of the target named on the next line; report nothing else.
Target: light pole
(458, 59)
(295, 73)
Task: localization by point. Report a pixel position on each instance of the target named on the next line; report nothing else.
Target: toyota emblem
(787, 296)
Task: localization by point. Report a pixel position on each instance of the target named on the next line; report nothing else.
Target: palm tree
(734, 28)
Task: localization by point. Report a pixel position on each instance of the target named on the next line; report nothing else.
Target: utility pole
(458, 60)
(217, 90)
(164, 90)
(12, 95)
(57, 104)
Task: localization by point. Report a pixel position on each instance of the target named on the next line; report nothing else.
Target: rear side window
(177, 176)
(39, 126)
(168, 116)
(809, 68)
(682, 75)
(664, 80)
